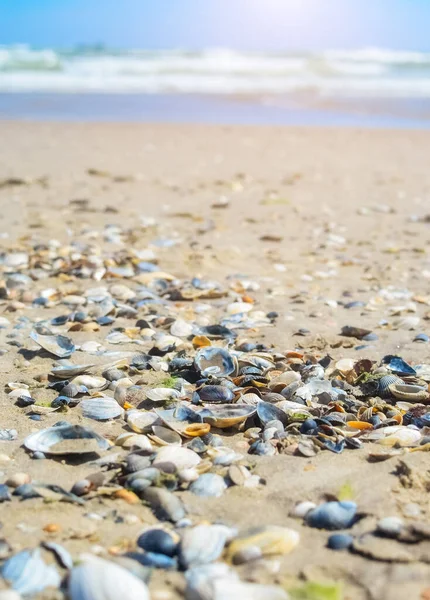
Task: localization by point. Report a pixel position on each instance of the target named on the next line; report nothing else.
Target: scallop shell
(384, 385)
(101, 409)
(98, 579)
(66, 439)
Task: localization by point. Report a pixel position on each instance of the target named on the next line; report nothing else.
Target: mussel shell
(68, 371)
(227, 415)
(98, 579)
(159, 541)
(398, 365)
(77, 440)
(101, 409)
(27, 573)
(212, 360)
(269, 412)
(217, 394)
(58, 345)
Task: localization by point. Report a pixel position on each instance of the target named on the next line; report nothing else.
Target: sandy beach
(314, 219)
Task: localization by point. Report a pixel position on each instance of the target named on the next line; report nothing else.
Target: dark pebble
(158, 541)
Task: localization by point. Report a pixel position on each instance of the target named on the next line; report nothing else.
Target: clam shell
(58, 345)
(98, 579)
(165, 505)
(399, 436)
(182, 458)
(131, 395)
(209, 485)
(202, 545)
(66, 439)
(141, 421)
(91, 382)
(27, 573)
(271, 541)
(165, 436)
(217, 394)
(212, 360)
(68, 371)
(101, 409)
(227, 415)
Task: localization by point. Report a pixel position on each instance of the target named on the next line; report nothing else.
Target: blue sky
(243, 24)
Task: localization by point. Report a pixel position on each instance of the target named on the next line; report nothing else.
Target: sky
(241, 24)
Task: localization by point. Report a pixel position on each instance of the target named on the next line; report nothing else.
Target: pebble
(390, 526)
(18, 479)
(301, 510)
(340, 541)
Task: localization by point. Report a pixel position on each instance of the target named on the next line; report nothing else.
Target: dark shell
(269, 412)
(219, 394)
(158, 541)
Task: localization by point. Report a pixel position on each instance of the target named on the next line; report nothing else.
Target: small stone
(301, 510)
(18, 479)
(340, 541)
(390, 526)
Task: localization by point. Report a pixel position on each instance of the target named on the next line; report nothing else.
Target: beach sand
(317, 217)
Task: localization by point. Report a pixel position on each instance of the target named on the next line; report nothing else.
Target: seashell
(134, 440)
(406, 323)
(82, 487)
(208, 485)
(219, 394)
(101, 409)
(340, 541)
(12, 385)
(301, 510)
(28, 574)
(250, 398)
(98, 579)
(399, 436)
(202, 545)
(238, 474)
(66, 439)
(141, 421)
(397, 365)
(62, 556)
(165, 436)
(226, 415)
(271, 541)
(197, 429)
(345, 365)
(181, 328)
(188, 475)
(91, 382)
(154, 560)
(211, 360)
(129, 396)
(162, 394)
(136, 462)
(8, 435)
(269, 412)
(384, 385)
(4, 493)
(182, 458)
(356, 332)
(113, 374)
(91, 347)
(332, 515)
(165, 505)
(58, 345)
(423, 372)
(68, 371)
(159, 541)
(201, 581)
(19, 393)
(410, 393)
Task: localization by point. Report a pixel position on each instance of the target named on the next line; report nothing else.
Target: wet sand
(317, 218)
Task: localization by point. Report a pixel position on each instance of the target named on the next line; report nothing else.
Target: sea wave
(371, 72)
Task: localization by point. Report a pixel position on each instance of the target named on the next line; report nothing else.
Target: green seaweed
(314, 590)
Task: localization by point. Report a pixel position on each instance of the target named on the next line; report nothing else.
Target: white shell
(141, 421)
(162, 394)
(182, 458)
(98, 579)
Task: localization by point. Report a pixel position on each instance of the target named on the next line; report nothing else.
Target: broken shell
(28, 574)
(211, 360)
(69, 371)
(66, 439)
(165, 436)
(410, 393)
(197, 429)
(141, 421)
(271, 541)
(58, 345)
(162, 394)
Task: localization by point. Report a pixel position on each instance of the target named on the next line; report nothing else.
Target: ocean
(371, 85)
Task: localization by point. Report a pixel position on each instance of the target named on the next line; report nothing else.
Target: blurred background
(354, 62)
